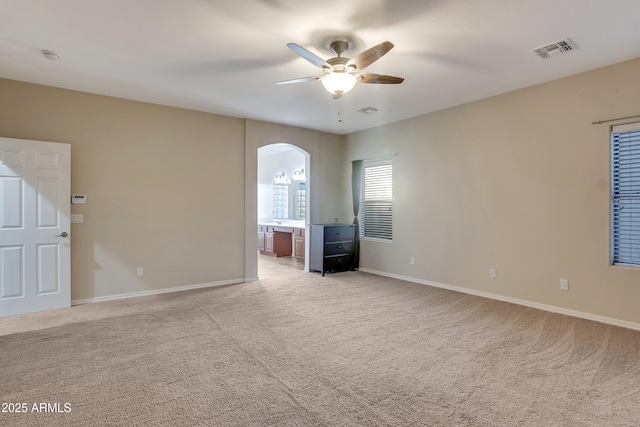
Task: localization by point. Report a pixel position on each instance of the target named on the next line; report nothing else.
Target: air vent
(368, 110)
(555, 49)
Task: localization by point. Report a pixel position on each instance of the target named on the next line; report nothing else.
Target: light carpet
(298, 349)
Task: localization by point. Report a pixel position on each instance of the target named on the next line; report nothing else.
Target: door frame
(307, 168)
(258, 134)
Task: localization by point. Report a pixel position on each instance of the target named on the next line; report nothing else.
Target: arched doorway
(283, 202)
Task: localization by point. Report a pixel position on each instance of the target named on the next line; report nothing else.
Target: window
(377, 204)
(625, 194)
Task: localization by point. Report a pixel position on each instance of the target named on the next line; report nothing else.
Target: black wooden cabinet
(331, 247)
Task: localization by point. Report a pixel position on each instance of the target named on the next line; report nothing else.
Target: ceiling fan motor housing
(339, 46)
(339, 65)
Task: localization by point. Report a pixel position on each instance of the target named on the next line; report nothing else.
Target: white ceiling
(223, 56)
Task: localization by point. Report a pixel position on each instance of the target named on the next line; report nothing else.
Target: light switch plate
(77, 218)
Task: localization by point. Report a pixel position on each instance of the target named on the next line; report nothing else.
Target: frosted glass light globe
(339, 83)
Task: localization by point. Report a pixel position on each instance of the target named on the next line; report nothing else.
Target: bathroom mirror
(290, 200)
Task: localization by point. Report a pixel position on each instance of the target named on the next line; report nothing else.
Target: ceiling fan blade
(380, 79)
(298, 80)
(311, 57)
(370, 56)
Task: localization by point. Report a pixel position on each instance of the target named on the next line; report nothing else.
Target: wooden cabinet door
(268, 242)
(261, 241)
(298, 247)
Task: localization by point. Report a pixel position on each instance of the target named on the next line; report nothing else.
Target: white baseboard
(551, 308)
(158, 291)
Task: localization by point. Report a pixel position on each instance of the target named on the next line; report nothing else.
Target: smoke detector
(368, 110)
(554, 49)
(51, 55)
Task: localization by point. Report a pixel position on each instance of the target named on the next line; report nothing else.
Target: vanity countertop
(284, 224)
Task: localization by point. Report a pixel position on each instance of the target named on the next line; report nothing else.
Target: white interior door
(34, 226)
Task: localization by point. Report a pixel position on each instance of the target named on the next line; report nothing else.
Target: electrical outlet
(412, 260)
(493, 273)
(140, 272)
(564, 284)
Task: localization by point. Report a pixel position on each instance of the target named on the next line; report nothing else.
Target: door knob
(63, 234)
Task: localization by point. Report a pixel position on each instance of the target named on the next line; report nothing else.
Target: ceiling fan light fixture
(339, 83)
(340, 73)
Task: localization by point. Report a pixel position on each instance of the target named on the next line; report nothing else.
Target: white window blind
(377, 200)
(625, 194)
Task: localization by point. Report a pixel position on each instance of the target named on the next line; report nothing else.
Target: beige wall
(518, 182)
(165, 187)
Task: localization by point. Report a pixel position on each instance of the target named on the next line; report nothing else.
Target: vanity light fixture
(299, 175)
(281, 178)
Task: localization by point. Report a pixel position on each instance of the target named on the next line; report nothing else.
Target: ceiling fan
(340, 73)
